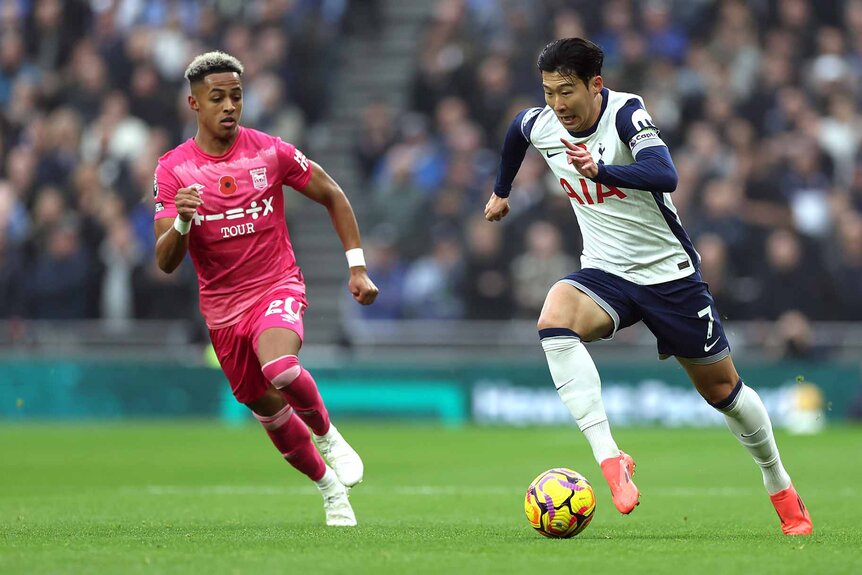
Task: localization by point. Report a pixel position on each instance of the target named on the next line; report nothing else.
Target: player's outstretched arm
(325, 191)
(512, 155)
(172, 235)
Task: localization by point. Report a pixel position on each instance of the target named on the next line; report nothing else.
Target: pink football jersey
(238, 242)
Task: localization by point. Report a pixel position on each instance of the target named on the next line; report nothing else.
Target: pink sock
(291, 438)
(300, 390)
(303, 395)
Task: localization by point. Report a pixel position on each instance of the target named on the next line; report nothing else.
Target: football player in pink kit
(219, 197)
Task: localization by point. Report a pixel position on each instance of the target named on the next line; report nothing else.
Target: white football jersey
(631, 233)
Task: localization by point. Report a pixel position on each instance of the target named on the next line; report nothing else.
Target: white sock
(579, 386)
(747, 418)
(601, 440)
(328, 479)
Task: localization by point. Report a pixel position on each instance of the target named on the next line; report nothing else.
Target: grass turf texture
(202, 498)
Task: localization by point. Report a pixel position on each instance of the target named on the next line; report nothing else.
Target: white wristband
(355, 257)
(182, 226)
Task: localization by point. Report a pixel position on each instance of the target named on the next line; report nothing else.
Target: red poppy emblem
(227, 185)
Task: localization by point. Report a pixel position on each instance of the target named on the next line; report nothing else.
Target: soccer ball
(560, 503)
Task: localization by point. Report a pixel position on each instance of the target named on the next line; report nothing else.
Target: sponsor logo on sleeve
(646, 135)
(300, 159)
(159, 207)
(642, 120)
(155, 186)
(532, 113)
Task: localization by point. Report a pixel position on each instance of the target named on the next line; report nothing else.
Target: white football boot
(340, 456)
(338, 510)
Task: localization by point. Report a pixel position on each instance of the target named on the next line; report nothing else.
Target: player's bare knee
(586, 329)
(550, 319)
(719, 392)
(268, 404)
(715, 381)
(715, 391)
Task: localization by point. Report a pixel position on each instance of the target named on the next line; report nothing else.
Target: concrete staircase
(372, 66)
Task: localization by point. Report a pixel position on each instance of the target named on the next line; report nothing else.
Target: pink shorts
(236, 345)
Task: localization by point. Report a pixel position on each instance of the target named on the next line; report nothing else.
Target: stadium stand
(405, 102)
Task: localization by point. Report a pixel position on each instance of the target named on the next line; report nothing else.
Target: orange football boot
(795, 519)
(618, 473)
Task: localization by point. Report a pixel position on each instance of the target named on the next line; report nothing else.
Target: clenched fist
(188, 200)
(360, 285)
(496, 208)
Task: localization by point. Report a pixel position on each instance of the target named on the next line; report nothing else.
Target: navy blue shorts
(680, 313)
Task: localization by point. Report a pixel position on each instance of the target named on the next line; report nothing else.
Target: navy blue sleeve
(514, 149)
(631, 119)
(652, 171)
(635, 127)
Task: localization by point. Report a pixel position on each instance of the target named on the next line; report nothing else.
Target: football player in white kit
(638, 264)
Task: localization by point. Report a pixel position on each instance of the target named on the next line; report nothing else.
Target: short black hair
(212, 63)
(572, 57)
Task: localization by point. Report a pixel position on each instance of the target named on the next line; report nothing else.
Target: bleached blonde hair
(211, 63)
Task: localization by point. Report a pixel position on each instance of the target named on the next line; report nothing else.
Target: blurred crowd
(91, 94)
(758, 101)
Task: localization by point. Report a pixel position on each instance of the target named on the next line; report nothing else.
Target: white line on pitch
(424, 490)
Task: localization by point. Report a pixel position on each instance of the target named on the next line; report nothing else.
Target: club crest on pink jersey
(258, 178)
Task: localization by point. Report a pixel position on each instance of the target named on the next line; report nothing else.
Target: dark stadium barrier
(635, 393)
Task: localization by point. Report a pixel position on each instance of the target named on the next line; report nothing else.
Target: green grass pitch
(203, 498)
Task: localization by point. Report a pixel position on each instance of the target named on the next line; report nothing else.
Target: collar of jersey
(592, 130)
(223, 156)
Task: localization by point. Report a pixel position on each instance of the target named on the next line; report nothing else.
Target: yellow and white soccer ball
(560, 503)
